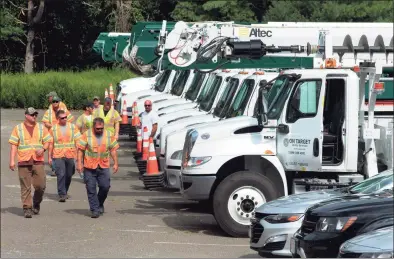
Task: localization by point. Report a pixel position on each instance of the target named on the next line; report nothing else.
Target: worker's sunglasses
(33, 115)
(63, 118)
(148, 105)
(99, 128)
(55, 101)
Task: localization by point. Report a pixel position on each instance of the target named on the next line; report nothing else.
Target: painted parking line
(198, 244)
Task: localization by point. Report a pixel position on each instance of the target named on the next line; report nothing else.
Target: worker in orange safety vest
(49, 119)
(94, 148)
(63, 152)
(29, 140)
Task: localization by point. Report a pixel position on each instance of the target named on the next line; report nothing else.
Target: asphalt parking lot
(136, 222)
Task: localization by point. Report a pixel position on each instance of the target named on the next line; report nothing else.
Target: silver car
(275, 222)
(374, 244)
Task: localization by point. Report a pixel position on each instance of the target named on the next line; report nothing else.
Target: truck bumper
(196, 187)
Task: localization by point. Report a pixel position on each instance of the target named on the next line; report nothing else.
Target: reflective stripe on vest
(23, 145)
(55, 138)
(89, 152)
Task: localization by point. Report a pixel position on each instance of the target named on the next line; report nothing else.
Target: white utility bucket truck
(244, 81)
(318, 132)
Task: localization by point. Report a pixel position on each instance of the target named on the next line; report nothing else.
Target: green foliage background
(66, 34)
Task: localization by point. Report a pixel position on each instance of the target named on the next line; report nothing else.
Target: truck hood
(169, 103)
(380, 240)
(298, 203)
(132, 97)
(181, 124)
(155, 99)
(178, 107)
(224, 128)
(136, 84)
(164, 119)
(353, 205)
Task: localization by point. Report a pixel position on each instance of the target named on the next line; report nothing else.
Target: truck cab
(241, 163)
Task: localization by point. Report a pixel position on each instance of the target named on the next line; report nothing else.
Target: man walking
(29, 140)
(96, 103)
(85, 121)
(50, 119)
(94, 148)
(110, 116)
(149, 119)
(63, 151)
(50, 96)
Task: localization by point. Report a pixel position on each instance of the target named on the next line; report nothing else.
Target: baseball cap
(88, 104)
(52, 94)
(107, 99)
(56, 98)
(31, 111)
(96, 98)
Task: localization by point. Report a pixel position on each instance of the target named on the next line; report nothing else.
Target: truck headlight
(196, 161)
(177, 155)
(388, 254)
(331, 224)
(283, 218)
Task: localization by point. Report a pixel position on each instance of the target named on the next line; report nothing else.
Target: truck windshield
(225, 99)
(378, 183)
(277, 96)
(241, 99)
(206, 87)
(195, 87)
(179, 84)
(207, 102)
(161, 81)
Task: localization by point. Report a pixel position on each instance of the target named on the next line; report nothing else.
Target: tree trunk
(32, 21)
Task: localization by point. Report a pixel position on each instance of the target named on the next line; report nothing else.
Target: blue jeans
(64, 171)
(92, 178)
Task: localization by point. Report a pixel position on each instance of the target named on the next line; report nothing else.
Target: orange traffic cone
(106, 93)
(152, 166)
(145, 144)
(125, 119)
(111, 94)
(139, 141)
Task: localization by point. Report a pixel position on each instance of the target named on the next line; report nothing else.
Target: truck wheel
(236, 198)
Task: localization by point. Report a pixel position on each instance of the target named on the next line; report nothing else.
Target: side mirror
(227, 79)
(261, 115)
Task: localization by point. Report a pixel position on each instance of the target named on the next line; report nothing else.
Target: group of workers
(85, 146)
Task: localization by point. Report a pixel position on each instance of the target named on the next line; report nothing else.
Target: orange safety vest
(27, 145)
(96, 155)
(64, 145)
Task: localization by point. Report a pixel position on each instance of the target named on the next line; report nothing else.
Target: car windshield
(378, 183)
(161, 81)
(241, 99)
(195, 86)
(206, 87)
(179, 84)
(226, 97)
(207, 102)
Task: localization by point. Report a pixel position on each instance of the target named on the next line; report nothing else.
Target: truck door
(300, 132)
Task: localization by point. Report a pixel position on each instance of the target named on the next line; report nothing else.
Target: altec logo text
(260, 33)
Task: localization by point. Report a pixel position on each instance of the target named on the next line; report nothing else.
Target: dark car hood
(354, 204)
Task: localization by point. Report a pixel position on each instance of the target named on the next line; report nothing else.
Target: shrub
(74, 88)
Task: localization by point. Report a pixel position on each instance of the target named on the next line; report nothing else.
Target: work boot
(36, 208)
(62, 199)
(27, 213)
(101, 209)
(95, 214)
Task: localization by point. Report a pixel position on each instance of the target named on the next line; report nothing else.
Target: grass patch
(74, 88)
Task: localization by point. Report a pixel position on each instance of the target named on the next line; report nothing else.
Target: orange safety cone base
(154, 180)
